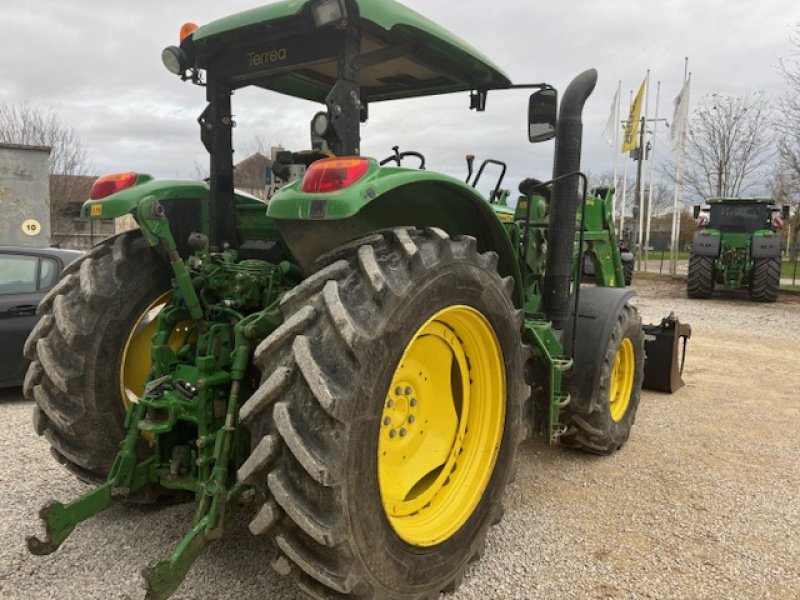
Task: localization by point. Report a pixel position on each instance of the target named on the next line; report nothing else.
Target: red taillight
(332, 174)
(111, 184)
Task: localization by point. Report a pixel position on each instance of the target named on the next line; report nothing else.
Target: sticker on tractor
(96, 210)
(31, 227)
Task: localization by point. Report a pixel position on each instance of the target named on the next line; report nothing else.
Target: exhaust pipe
(565, 198)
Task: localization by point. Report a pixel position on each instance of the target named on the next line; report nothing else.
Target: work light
(175, 60)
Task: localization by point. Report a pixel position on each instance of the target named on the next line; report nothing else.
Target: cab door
(24, 279)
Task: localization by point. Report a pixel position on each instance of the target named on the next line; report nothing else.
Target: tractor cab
(740, 215)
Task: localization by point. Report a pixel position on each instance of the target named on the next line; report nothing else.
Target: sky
(97, 65)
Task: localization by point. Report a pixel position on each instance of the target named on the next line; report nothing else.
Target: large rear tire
(766, 279)
(700, 280)
(404, 334)
(77, 351)
(604, 425)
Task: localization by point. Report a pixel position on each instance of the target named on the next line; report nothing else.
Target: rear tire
(76, 352)
(605, 425)
(320, 414)
(700, 280)
(766, 279)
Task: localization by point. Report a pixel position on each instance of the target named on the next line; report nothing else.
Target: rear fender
(386, 198)
(186, 205)
(598, 310)
(126, 201)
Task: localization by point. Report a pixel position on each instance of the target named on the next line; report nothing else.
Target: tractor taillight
(332, 174)
(111, 184)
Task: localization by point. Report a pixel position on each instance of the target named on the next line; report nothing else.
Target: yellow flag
(631, 140)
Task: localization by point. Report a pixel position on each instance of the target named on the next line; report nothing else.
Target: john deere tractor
(738, 247)
(355, 362)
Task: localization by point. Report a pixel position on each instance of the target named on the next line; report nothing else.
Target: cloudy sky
(97, 64)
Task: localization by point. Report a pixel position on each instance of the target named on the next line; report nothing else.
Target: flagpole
(624, 187)
(616, 153)
(624, 199)
(640, 187)
(652, 169)
(676, 223)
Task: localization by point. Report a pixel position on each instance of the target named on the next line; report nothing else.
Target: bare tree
(787, 123)
(35, 126)
(728, 148)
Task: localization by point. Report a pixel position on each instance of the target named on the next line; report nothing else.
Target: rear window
(17, 274)
(739, 218)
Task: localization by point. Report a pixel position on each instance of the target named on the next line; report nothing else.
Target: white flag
(611, 125)
(680, 118)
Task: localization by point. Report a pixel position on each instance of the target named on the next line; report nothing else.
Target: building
(24, 195)
(70, 230)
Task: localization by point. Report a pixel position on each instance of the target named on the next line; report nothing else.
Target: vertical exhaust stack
(565, 198)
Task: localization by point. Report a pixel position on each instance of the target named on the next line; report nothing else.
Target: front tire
(605, 424)
(399, 328)
(77, 347)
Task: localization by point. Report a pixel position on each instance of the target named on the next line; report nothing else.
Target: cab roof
(409, 55)
(742, 199)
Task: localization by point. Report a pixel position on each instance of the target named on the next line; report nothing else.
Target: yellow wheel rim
(441, 426)
(619, 393)
(137, 352)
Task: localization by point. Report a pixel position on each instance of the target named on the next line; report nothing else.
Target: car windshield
(739, 218)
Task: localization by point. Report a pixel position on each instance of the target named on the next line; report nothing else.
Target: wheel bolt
(387, 421)
(408, 391)
(398, 391)
(403, 432)
(392, 433)
(411, 418)
(413, 402)
(390, 404)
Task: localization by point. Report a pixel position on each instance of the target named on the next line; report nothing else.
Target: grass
(659, 254)
(787, 269)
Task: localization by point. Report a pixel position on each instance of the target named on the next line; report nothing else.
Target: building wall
(24, 195)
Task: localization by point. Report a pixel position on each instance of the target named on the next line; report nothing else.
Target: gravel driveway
(703, 502)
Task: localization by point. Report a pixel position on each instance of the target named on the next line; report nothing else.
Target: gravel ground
(701, 503)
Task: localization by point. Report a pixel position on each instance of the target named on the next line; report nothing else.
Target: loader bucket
(663, 368)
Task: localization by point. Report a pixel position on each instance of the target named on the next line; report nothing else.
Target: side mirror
(696, 208)
(542, 110)
(785, 212)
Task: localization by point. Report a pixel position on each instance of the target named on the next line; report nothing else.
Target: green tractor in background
(356, 361)
(737, 246)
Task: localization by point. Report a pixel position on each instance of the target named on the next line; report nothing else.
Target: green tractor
(737, 246)
(355, 362)
(600, 255)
